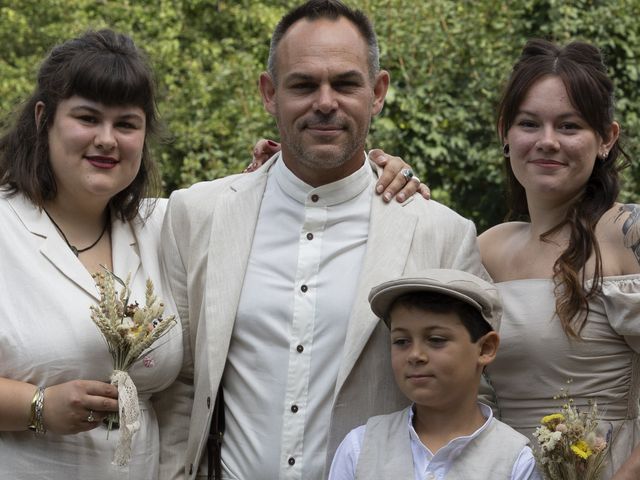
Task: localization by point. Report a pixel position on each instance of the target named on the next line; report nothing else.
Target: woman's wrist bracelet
(36, 420)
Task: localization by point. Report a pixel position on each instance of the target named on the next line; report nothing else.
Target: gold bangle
(36, 419)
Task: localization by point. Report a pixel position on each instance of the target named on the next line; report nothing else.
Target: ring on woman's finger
(415, 177)
(407, 173)
(91, 418)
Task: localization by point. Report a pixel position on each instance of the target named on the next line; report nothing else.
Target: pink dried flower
(148, 362)
(599, 444)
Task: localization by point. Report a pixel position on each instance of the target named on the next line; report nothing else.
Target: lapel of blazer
(233, 223)
(53, 247)
(125, 257)
(391, 229)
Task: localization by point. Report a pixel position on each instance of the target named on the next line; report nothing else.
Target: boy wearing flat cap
(443, 327)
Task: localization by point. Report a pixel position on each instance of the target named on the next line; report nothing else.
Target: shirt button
(304, 288)
(294, 408)
(430, 476)
(315, 198)
(208, 402)
(309, 236)
(300, 348)
(292, 461)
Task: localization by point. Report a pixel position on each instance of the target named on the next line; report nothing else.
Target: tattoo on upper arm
(631, 228)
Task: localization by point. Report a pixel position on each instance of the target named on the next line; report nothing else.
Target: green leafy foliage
(447, 59)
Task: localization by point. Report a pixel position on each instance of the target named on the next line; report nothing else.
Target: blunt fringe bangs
(102, 70)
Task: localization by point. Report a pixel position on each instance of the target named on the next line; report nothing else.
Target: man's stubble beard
(323, 160)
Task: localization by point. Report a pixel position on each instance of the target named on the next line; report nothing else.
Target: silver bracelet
(36, 420)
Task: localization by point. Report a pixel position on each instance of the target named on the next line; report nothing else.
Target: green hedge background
(448, 60)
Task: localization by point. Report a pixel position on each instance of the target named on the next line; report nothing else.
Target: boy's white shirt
(426, 465)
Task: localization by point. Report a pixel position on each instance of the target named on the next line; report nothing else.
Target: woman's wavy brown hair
(581, 68)
(105, 67)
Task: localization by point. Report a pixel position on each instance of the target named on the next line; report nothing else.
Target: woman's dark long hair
(102, 66)
(581, 68)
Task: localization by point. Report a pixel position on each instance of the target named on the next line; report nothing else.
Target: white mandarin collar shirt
(327, 195)
(297, 295)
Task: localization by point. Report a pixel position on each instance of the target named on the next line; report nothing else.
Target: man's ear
(39, 112)
(380, 88)
(488, 348)
(268, 92)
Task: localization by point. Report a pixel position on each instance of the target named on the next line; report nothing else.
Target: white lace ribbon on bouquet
(129, 415)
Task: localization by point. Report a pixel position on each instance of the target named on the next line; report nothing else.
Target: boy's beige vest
(386, 452)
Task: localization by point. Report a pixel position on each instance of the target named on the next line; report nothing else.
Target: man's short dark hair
(333, 10)
(470, 316)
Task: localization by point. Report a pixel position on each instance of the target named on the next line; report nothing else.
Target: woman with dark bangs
(569, 274)
(75, 169)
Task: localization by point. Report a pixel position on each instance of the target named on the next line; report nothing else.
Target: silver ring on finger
(407, 173)
(415, 177)
(91, 418)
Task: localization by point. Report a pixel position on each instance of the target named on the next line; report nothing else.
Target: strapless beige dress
(536, 359)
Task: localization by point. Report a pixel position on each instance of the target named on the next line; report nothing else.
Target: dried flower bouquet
(129, 330)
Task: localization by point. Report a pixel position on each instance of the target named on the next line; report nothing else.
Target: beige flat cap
(464, 286)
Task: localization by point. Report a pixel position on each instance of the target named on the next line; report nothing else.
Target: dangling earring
(505, 150)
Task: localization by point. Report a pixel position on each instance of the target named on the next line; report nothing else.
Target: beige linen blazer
(206, 241)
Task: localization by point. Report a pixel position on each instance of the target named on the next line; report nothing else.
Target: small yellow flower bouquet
(569, 445)
(129, 330)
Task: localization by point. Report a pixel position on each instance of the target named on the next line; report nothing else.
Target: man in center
(271, 269)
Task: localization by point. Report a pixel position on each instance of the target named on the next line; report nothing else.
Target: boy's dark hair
(470, 317)
(333, 10)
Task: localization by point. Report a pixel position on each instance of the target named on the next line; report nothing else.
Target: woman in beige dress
(569, 274)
